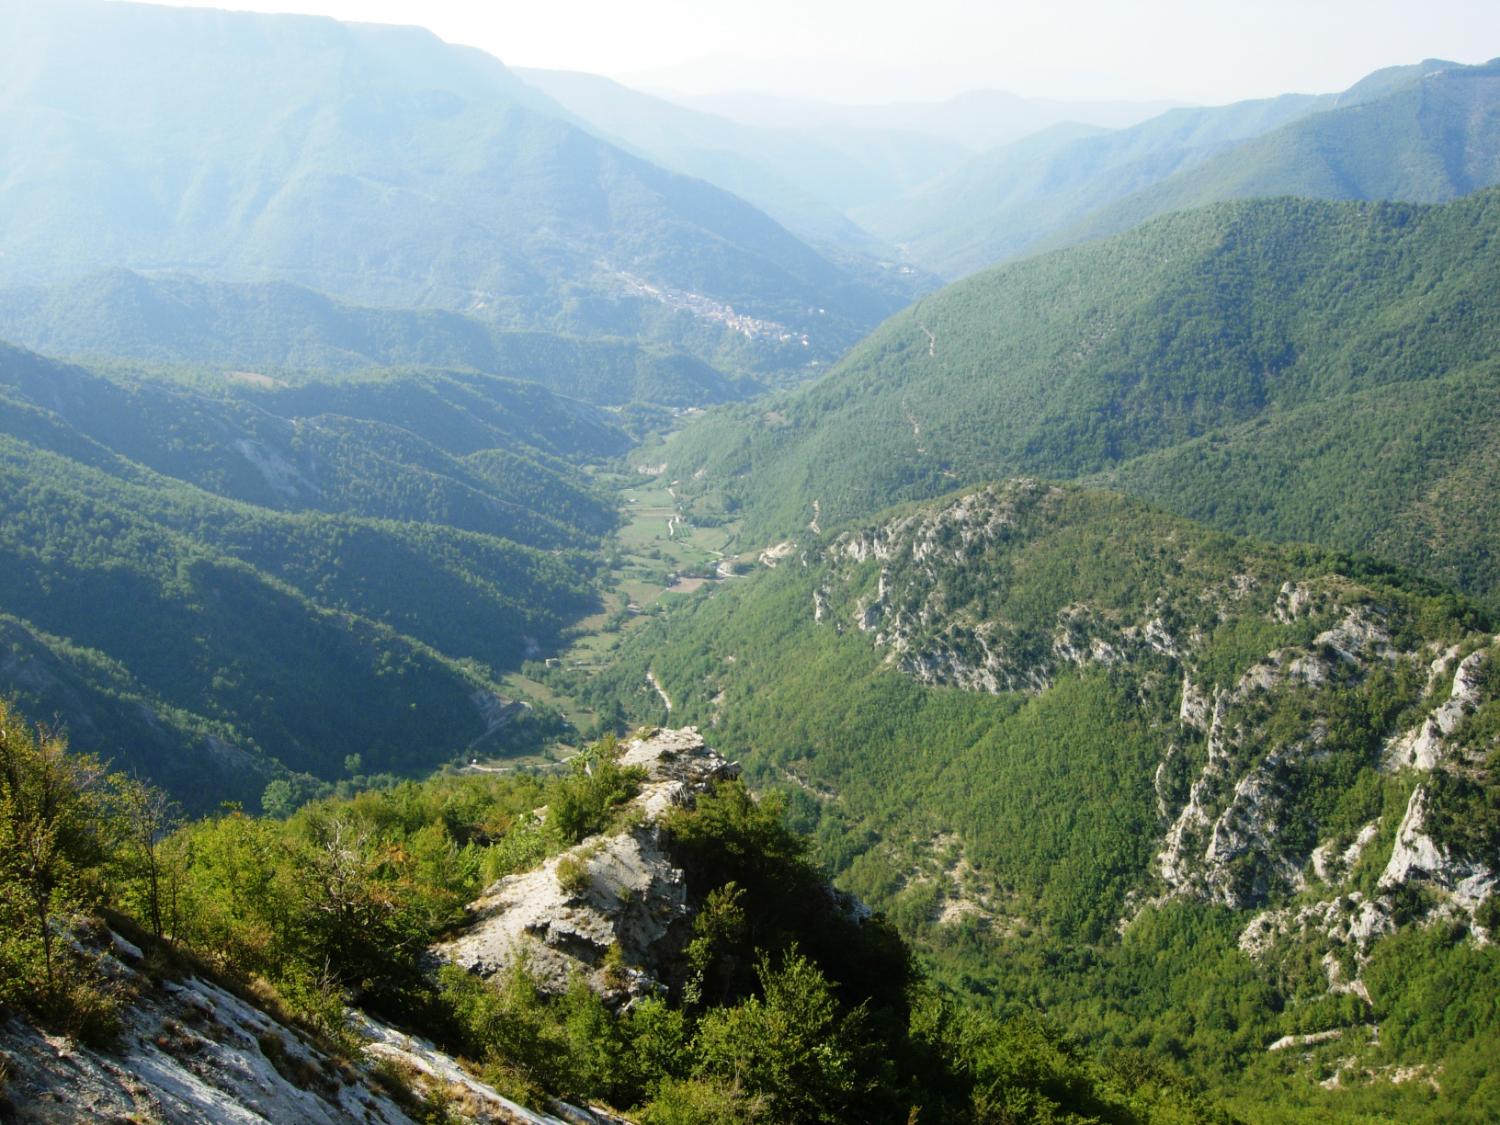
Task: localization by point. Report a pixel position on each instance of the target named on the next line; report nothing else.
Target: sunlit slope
(1220, 321)
(1068, 184)
(1429, 142)
(1154, 780)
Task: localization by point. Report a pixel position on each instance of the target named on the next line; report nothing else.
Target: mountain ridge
(1043, 192)
(387, 168)
(1071, 743)
(292, 331)
(174, 556)
(1077, 362)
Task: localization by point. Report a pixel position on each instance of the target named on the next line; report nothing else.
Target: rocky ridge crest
(934, 590)
(614, 908)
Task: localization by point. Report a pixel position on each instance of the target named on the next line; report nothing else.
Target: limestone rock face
(1454, 884)
(911, 618)
(1421, 747)
(930, 590)
(678, 767)
(191, 1053)
(609, 892)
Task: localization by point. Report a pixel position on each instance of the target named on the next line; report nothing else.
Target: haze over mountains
(976, 119)
(384, 167)
(1078, 519)
(813, 164)
(1055, 189)
(285, 329)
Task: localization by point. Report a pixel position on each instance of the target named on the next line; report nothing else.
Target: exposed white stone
(1422, 747)
(189, 1053)
(1197, 708)
(1347, 919)
(1359, 636)
(773, 555)
(1414, 850)
(280, 474)
(466, 1094)
(1159, 639)
(1328, 867)
(1306, 1040)
(630, 895)
(1439, 667)
(1333, 970)
(1293, 600)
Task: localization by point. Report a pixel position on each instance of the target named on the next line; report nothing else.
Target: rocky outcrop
(614, 909)
(934, 589)
(910, 612)
(1415, 857)
(1344, 925)
(190, 1052)
(1421, 747)
(1225, 843)
(1267, 778)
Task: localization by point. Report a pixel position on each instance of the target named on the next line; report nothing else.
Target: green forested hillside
(1065, 185)
(361, 334)
(782, 1006)
(1078, 749)
(289, 331)
(1428, 142)
(1002, 202)
(208, 585)
(1242, 323)
(386, 167)
(1413, 468)
(392, 445)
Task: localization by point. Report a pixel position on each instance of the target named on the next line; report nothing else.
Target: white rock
(1414, 850)
(632, 896)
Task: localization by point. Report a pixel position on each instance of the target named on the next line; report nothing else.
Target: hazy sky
(882, 50)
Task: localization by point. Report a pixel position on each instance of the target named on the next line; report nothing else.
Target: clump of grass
(573, 874)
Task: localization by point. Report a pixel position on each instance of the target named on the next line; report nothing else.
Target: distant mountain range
(809, 164)
(384, 167)
(977, 119)
(804, 176)
(1421, 133)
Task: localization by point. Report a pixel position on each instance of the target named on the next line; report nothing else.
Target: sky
(870, 51)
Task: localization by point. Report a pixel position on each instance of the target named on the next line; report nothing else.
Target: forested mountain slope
(1428, 142)
(1041, 191)
(1185, 792)
(1225, 335)
(216, 586)
(381, 166)
(290, 331)
(677, 959)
